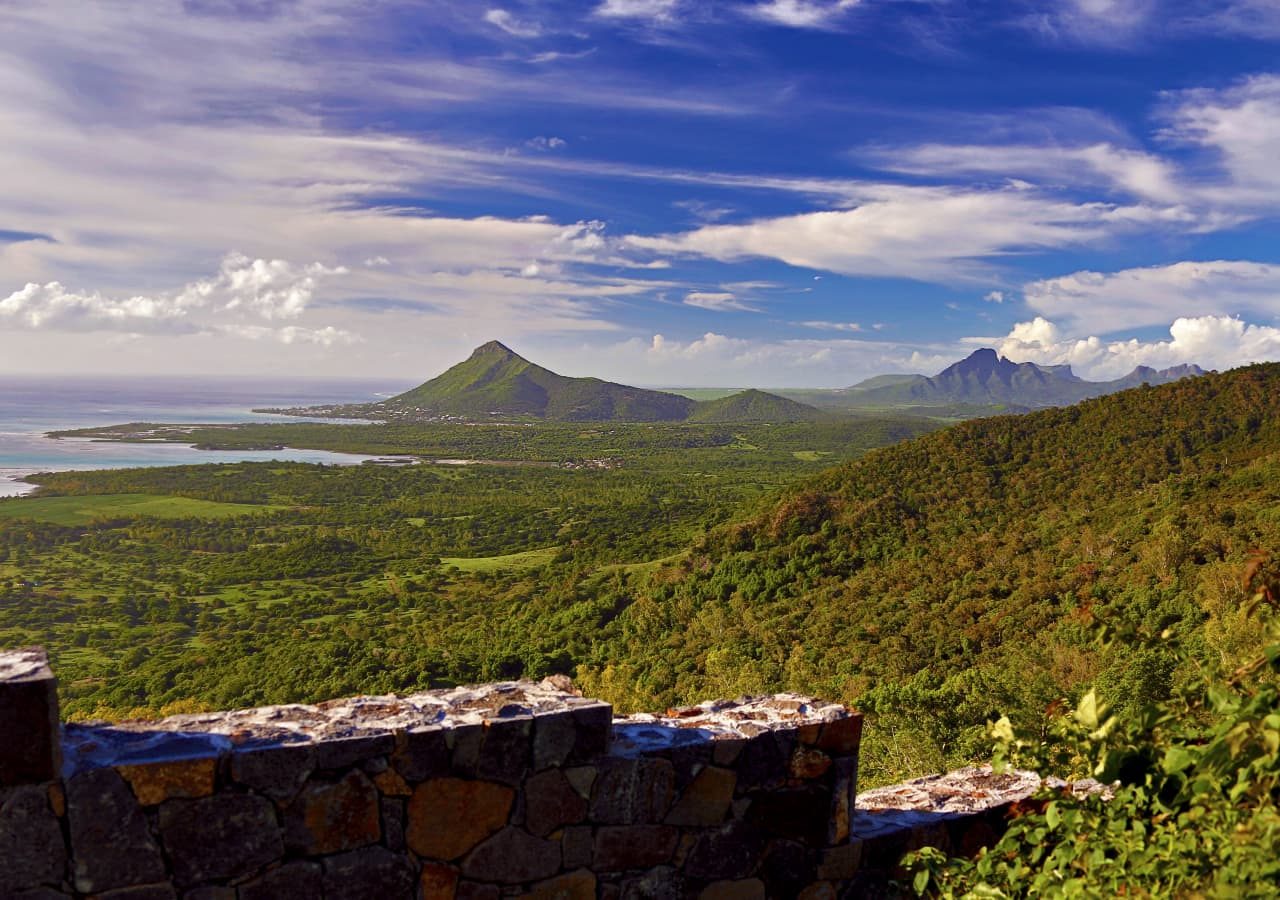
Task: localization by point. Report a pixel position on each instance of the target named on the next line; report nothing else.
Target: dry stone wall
(512, 789)
(509, 789)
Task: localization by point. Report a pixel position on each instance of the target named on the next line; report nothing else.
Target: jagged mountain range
(985, 378)
(494, 382)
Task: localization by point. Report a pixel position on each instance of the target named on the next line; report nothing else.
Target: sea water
(31, 406)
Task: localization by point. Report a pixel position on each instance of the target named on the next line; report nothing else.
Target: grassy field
(529, 559)
(83, 510)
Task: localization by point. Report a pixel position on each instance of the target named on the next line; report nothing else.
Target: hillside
(986, 379)
(754, 406)
(494, 381)
(950, 579)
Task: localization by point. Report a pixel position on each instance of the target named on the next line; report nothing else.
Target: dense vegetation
(941, 583)
(249, 583)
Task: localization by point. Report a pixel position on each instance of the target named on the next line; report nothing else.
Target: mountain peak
(493, 348)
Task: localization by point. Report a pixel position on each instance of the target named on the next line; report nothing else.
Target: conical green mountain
(755, 406)
(496, 382)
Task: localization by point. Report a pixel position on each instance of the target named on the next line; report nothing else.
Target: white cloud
(546, 143)
(294, 334)
(1239, 130)
(1133, 172)
(504, 20)
(266, 289)
(1106, 22)
(654, 10)
(1214, 342)
(994, 296)
(938, 234)
(831, 326)
(801, 13)
(718, 301)
(1134, 298)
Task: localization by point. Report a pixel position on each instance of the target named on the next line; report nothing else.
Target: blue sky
(751, 192)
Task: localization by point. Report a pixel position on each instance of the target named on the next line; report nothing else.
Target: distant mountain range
(986, 379)
(497, 383)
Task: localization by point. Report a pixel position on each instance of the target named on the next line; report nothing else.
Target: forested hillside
(955, 577)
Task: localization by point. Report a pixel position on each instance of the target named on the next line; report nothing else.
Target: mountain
(754, 406)
(495, 381)
(985, 378)
(948, 580)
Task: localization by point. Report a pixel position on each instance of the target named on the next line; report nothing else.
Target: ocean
(31, 406)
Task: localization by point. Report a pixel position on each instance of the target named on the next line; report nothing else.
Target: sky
(769, 193)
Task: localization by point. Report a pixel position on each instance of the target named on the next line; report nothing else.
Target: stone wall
(504, 790)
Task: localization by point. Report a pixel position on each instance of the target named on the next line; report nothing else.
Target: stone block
(725, 752)
(328, 817)
(842, 737)
(450, 816)
(619, 848)
(659, 883)
(391, 784)
(421, 754)
(707, 799)
(342, 753)
(505, 750)
(551, 803)
(211, 892)
(154, 783)
(464, 743)
(731, 851)
(223, 836)
(513, 856)
(110, 843)
(595, 731)
(31, 751)
(474, 890)
(632, 791)
(41, 893)
(808, 763)
(742, 889)
(32, 851)
(278, 771)
(577, 846)
(582, 778)
(298, 880)
(841, 863)
(821, 890)
(438, 882)
(787, 866)
(554, 737)
(688, 760)
(801, 813)
(844, 790)
(393, 817)
(578, 885)
(765, 759)
(370, 873)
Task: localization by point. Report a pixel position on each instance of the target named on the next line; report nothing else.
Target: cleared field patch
(529, 559)
(83, 510)
(811, 455)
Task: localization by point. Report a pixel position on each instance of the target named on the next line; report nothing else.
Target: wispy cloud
(801, 13)
(718, 301)
(504, 20)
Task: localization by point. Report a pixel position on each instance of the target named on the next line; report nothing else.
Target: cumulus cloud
(718, 301)
(1214, 342)
(295, 334)
(1239, 129)
(993, 296)
(260, 288)
(801, 13)
(1134, 298)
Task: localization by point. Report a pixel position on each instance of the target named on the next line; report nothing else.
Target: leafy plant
(1191, 807)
